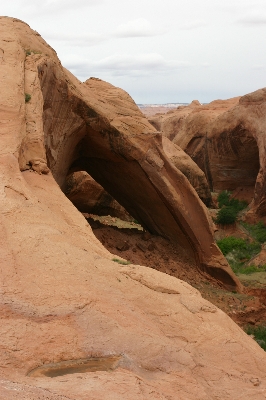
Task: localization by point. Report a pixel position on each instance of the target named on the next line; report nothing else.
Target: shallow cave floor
(130, 242)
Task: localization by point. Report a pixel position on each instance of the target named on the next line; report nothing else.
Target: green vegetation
(224, 198)
(259, 333)
(257, 231)
(230, 208)
(226, 216)
(250, 269)
(238, 252)
(27, 97)
(29, 52)
(121, 261)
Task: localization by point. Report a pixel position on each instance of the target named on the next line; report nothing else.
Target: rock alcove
(97, 128)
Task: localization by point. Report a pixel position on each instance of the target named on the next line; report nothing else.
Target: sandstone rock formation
(66, 307)
(226, 139)
(189, 168)
(90, 197)
(97, 128)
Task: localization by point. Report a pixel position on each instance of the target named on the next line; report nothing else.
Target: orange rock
(90, 197)
(97, 128)
(64, 301)
(226, 140)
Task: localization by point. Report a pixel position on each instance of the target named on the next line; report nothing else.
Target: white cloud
(198, 23)
(39, 9)
(254, 18)
(90, 39)
(259, 67)
(125, 65)
(137, 28)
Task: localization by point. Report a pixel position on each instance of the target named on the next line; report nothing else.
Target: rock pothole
(79, 366)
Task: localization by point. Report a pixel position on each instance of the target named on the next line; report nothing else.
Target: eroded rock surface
(62, 298)
(97, 128)
(90, 197)
(189, 168)
(226, 139)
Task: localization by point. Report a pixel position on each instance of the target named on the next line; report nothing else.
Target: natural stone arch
(97, 128)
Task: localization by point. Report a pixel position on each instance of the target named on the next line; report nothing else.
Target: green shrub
(121, 261)
(224, 198)
(230, 208)
(226, 216)
(257, 231)
(230, 243)
(29, 52)
(238, 251)
(247, 270)
(243, 249)
(27, 97)
(259, 333)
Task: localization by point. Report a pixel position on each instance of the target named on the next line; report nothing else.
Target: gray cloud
(126, 65)
(140, 27)
(198, 23)
(254, 18)
(45, 7)
(90, 39)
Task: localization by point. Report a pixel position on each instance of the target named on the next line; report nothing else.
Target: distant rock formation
(226, 139)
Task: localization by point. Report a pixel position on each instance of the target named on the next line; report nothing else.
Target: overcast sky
(159, 51)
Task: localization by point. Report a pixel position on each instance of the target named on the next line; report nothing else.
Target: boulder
(90, 197)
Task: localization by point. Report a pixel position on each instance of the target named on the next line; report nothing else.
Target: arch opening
(93, 130)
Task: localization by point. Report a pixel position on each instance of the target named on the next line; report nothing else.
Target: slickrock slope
(74, 324)
(227, 141)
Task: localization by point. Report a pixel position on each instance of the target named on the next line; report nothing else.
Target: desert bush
(257, 231)
(224, 198)
(259, 333)
(27, 97)
(238, 251)
(231, 243)
(243, 249)
(230, 208)
(226, 216)
(121, 261)
(248, 270)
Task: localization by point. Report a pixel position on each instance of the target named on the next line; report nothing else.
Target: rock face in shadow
(90, 197)
(62, 297)
(189, 168)
(226, 139)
